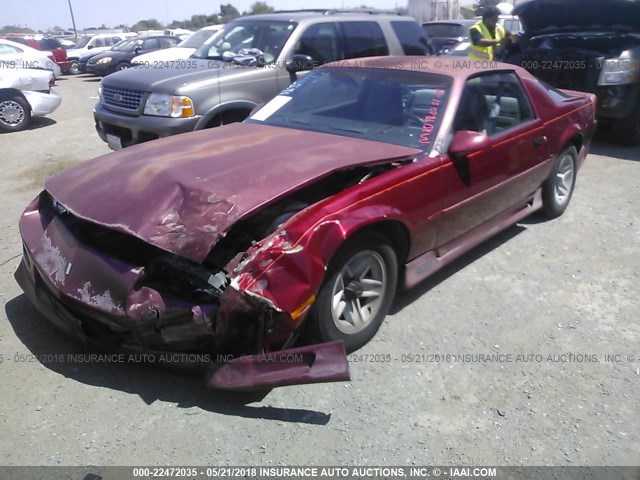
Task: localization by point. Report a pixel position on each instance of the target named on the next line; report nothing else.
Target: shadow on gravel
(406, 297)
(603, 145)
(40, 122)
(182, 386)
(92, 79)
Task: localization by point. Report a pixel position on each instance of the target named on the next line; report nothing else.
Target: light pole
(73, 20)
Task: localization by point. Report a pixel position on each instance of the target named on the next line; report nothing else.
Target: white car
(95, 44)
(182, 51)
(15, 55)
(25, 93)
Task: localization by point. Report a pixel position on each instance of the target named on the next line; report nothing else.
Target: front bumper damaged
(100, 301)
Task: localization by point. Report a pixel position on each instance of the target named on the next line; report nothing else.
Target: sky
(42, 14)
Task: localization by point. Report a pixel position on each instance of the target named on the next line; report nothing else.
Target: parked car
(45, 44)
(25, 93)
(16, 55)
(446, 33)
(246, 64)
(95, 44)
(583, 45)
(182, 51)
(119, 57)
(363, 175)
(84, 59)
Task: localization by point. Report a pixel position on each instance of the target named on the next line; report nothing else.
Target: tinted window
(19, 40)
(412, 38)
(99, 42)
(493, 103)
(49, 44)
(167, 42)
(446, 30)
(320, 42)
(150, 44)
(363, 39)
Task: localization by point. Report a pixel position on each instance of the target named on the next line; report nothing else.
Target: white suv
(94, 44)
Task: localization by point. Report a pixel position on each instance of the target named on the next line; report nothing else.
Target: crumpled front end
(114, 290)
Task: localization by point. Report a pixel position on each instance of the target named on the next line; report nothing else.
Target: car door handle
(540, 141)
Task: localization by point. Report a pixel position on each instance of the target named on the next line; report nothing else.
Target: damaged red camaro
(355, 179)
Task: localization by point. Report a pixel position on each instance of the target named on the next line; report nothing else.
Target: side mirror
(89, 47)
(466, 142)
(299, 63)
(256, 108)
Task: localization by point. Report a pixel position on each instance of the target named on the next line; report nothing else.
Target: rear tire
(15, 112)
(357, 292)
(558, 188)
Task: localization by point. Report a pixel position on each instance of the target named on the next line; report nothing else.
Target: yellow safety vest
(477, 52)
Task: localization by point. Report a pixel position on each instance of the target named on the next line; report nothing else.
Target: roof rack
(337, 11)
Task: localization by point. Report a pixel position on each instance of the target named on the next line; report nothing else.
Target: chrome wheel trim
(358, 292)
(11, 113)
(564, 180)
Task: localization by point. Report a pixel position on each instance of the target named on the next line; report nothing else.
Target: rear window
(411, 37)
(49, 44)
(446, 30)
(554, 92)
(363, 39)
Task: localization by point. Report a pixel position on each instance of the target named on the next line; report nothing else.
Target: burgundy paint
(182, 193)
(325, 362)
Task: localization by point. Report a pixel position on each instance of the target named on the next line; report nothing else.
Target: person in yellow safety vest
(486, 35)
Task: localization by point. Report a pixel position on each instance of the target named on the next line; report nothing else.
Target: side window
(8, 49)
(167, 42)
(493, 103)
(363, 39)
(411, 37)
(115, 40)
(320, 42)
(97, 42)
(150, 44)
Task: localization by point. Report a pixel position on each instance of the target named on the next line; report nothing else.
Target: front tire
(558, 188)
(15, 113)
(357, 292)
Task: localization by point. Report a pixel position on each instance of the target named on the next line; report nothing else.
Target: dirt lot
(562, 294)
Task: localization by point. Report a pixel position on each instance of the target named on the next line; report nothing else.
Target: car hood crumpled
(182, 193)
(551, 16)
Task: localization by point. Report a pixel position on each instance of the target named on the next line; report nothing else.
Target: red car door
(485, 184)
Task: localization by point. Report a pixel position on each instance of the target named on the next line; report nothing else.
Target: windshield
(247, 38)
(197, 39)
(392, 106)
(127, 45)
(82, 42)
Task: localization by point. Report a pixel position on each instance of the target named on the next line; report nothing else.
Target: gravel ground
(562, 294)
